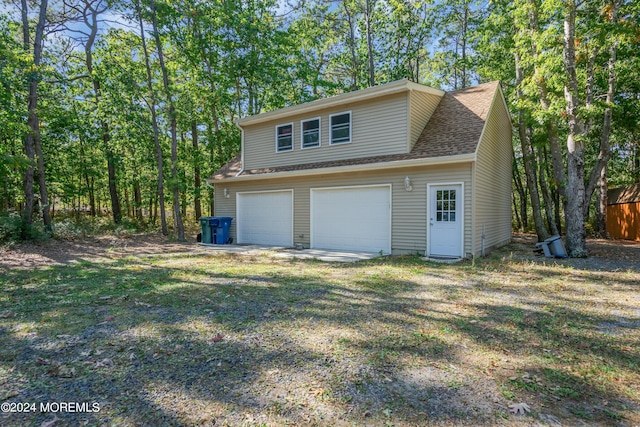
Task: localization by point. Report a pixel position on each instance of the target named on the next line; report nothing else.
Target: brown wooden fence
(623, 213)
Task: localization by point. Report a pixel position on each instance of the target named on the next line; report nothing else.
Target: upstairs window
(284, 137)
(310, 133)
(340, 128)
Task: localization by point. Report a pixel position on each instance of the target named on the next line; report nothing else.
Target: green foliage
(230, 59)
(11, 227)
(70, 227)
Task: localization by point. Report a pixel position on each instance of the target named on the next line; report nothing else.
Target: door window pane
(445, 205)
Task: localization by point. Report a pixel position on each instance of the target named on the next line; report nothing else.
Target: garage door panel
(265, 218)
(356, 218)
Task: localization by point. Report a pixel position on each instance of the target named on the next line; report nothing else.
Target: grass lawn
(196, 338)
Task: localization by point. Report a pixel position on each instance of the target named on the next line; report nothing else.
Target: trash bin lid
(552, 239)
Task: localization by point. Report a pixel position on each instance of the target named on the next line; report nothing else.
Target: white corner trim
(409, 121)
(506, 106)
(241, 149)
(498, 94)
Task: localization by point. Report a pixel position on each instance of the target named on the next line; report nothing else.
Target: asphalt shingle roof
(454, 128)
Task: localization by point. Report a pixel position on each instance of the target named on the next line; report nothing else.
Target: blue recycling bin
(220, 226)
(207, 237)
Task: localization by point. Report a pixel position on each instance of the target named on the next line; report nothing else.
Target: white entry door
(351, 218)
(445, 220)
(265, 217)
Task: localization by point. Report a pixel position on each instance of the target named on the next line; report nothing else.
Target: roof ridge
(497, 82)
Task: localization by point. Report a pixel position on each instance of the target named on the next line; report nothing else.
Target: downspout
(482, 242)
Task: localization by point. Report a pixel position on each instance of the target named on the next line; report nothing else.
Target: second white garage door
(351, 218)
(265, 218)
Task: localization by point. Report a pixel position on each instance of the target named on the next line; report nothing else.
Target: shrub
(67, 229)
(11, 226)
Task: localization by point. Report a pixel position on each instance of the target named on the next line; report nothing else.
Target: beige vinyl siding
(421, 106)
(378, 126)
(409, 216)
(226, 206)
(492, 180)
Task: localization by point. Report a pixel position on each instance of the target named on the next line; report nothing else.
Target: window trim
(331, 142)
(278, 150)
(302, 122)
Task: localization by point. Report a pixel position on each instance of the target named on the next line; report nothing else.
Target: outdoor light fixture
(407, 184)
(226, 193)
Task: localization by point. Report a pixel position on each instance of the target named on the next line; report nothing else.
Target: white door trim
(347, 187)
(461, 204)
(285, 190)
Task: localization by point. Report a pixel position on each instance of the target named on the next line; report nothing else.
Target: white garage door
(265, 218)
(351, 218)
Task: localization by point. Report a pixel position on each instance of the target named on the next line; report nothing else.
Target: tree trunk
(29, 151)
(555, 194)
(44, 197)
(92, 202)
(515, 212)
(576, 233)
(522, 194)
(559, 173)
(369, 44)
(154, 123)
(91, 20)
(601, 205)
(127, 205)
(598, 176)
(32, 143)
(196, 170)
(111, 170)
(465, 24)
(352, 46)
(546, 194)
(528, 159)
(137, 195)
(177, 216)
